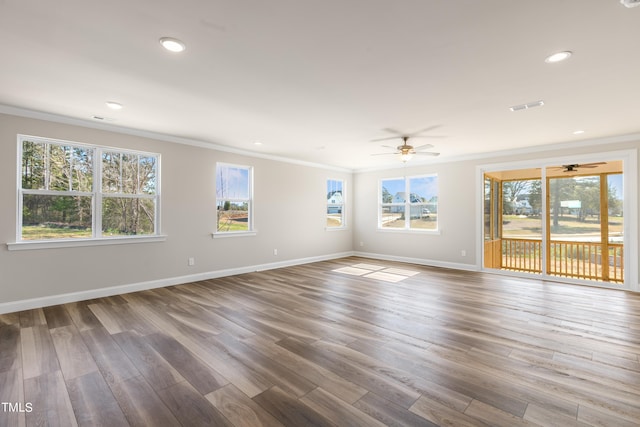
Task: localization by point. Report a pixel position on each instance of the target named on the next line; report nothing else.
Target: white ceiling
(318, 80)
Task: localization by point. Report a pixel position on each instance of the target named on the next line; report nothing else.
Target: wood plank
(82, 316)
(12, 391)
(190, 407)
(56, 316)
(338, 411)
(442, 415)
(345, 390)
(141, 405)
(10, 348)
(201, 377)
(239, 409)
(38, 353)
(29, 318)
(364, 377)
(389, 413)
(114, 365)
(50, 401)
(93, 403)
(157, 371)
(289, 410)
(73, 355)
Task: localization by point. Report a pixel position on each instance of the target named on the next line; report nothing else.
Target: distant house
(522, 207)
(334, 202)
(334, 198)
(401, 197)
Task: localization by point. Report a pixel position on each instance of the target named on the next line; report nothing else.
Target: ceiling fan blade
(423, 147)
(386, 139)
(384, 154)
(427, 153)
(393, 131)
(591, 165)
(427, 129)
(428, 136)
(389, 146)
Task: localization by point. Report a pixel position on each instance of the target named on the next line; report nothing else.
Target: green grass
(36, 232)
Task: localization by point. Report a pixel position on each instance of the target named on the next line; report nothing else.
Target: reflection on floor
(379, 272)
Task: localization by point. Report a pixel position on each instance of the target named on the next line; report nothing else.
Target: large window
(77, 191)
(234, 196)
(335, 203)
(409, 203)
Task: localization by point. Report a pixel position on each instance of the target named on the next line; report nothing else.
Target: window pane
(129, 175)
(615, 197)
(233, 216)
(127, 216)
(393, 191)
(111, 172)
(59, 168)
(393, 216)
(335, 203)
(232, 182)
(82, 178)
(147, 171)
(334, 215)
(33, 165)
(55, 217)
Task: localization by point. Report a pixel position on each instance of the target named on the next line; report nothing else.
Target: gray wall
(459, 211)
(289, 216)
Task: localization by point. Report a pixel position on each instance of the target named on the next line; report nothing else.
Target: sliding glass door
(563, 221)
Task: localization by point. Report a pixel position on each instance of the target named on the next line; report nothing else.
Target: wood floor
(349, 342)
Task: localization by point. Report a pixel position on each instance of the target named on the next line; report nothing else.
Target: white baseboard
(28, 304)
(419, 261)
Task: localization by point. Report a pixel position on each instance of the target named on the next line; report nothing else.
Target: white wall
(290, 203)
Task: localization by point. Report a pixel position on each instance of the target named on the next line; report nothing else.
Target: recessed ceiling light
(257, 143)
(172, 45)
(578, 132)
(114, 105)
(557, 57)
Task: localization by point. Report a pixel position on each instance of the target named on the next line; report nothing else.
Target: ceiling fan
(405, 150)
(574, 167)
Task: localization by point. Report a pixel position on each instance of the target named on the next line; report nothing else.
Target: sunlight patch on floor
(378, 272)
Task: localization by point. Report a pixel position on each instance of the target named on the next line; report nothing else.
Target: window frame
(341, 206)
(250, 231)
(407, 205)
(96, 194)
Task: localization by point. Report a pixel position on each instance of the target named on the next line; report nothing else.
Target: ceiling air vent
(630, 3)
(527, 106)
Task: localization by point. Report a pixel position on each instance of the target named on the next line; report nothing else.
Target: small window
(409, 203)
(335, 203)
(234, 198)
(77, 191)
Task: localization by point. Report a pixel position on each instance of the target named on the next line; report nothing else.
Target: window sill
(224, 235)
(55, 244)
(336, 228)
(407, 231)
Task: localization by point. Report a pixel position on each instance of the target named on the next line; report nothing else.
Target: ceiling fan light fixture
(405, 157)
(172, 45)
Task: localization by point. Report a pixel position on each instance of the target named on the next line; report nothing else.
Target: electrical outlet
(275, 252)
(463, 252)
(361, 244)
(191, 261)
